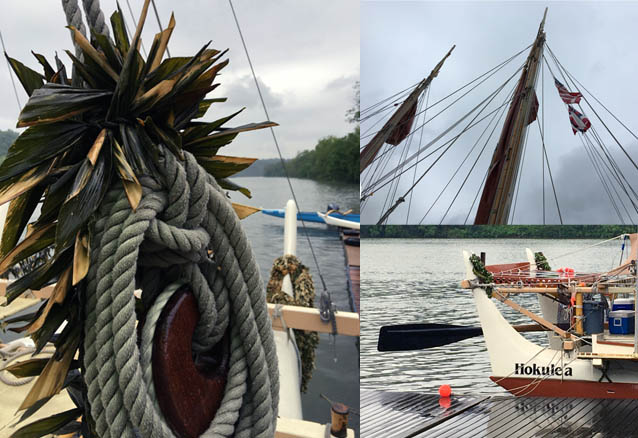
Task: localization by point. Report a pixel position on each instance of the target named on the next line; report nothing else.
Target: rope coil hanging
(177, 221)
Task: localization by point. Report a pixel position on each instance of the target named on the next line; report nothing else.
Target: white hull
(525, 368)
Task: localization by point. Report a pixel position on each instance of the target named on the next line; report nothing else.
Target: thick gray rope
(95, 17)
(73, 15)
(188, 214)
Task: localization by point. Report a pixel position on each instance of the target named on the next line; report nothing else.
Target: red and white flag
(568, 98)
(579, 121)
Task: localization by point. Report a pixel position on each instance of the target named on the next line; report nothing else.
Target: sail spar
(400, 124)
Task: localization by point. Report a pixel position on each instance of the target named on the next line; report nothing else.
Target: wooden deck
(414, 415)
(352, 253)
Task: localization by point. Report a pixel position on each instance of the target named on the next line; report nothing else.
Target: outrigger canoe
(311, 216)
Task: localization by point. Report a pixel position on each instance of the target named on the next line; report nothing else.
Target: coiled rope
(182, 216)
(179, 218)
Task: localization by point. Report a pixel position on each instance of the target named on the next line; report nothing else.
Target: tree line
(332, 159)
(497, 231)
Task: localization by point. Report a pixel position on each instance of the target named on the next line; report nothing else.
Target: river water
(339, 381)
(417, 280)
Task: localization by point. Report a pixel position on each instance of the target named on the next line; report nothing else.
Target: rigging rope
(366, 194)
(281, 158)
(130, 10)
(505, 102)
(159, 24)
(493, 70)
(427, 99)
(401, 199)
(15, 90)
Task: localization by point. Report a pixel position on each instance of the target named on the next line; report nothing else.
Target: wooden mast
(498, 192)
(372, 148)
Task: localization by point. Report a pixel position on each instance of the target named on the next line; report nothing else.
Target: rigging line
(478, 192)
(604, 182)
(451, 127)
(543, 129)
(493, 71)
(407, 217)
(478, 140)
(365, 110)
(592, 154)
(551, 179)
(375, 186)
(596, 113)
(599, 102)
(613, 171)
(519, 177)
(15, 89)
(616, 169)
(458, 192)
(396, 102)
(583, 249)
(402, 198)
(159, 23)
(406, 147)
(281, 158)
(454, 125)
(130, 10)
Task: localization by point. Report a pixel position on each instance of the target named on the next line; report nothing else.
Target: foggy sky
(402, 41)
(306, 56)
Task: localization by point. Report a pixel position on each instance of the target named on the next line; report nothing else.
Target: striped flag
(579, 121)
(568, 98)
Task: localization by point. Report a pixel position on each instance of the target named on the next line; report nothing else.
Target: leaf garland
(79, 141)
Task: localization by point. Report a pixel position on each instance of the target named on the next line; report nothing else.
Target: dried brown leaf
(80, 258)
(243, 211)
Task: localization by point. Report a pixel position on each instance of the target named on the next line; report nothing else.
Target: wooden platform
(352, 254)
(414, 415)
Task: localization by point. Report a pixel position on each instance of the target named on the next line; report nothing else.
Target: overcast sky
(306, 55)
(596, 42)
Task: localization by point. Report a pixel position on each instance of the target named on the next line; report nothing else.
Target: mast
(401, 116)
(498, 192)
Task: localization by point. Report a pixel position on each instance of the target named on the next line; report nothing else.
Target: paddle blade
(406, 337)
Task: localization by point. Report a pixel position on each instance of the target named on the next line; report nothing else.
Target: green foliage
(105, 126)
(354, 114)
(497, 231)
(333, 159)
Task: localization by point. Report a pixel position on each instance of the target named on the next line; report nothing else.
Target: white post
(290, 240)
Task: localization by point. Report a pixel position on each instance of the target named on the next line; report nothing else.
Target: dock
(390, 414)
(350, 239)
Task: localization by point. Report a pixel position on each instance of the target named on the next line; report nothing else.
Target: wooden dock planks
(416, 415)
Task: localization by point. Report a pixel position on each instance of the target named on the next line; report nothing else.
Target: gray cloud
(297, 49)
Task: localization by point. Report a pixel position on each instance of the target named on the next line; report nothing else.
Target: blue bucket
(594, 313)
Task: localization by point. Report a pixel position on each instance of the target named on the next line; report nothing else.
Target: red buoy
(445, 390)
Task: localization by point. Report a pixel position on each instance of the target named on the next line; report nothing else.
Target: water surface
(339, 381)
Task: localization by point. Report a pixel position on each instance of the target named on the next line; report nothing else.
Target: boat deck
(416, 415)
(352, 253)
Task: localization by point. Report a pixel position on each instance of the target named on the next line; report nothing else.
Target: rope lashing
(179, 219)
